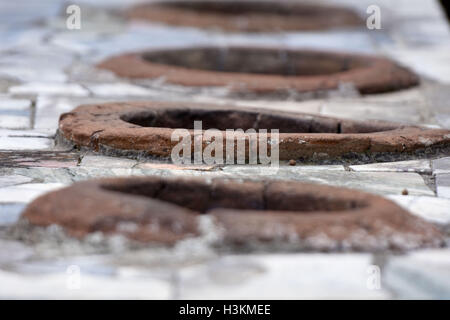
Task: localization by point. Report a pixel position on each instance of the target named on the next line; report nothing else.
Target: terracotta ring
(144, 129)
(264, 71)
(293, 214)
(247, 16)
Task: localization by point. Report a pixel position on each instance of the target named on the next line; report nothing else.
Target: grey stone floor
(46, 69)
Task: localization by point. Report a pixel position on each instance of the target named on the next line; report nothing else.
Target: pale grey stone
(441, 165)
(36, 73)
(376, 182)
(280, 276)
(13, 252)
(51, 89)
(11, 180)
(419, 275)
(430, 61)
(15, 113)
(10, 213)
(443, 119)
(56, 286)
(119, 89)
(443, 185)
(432, 209)
(24, 140)
(96, 265)
(283, 168)
(422, 166)
(366, 110)
(107, 162)
(289, 106)
(26, 192)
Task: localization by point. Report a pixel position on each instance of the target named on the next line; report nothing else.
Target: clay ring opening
(264, 71)
(288, 214)
(145, 129)
(247, 16)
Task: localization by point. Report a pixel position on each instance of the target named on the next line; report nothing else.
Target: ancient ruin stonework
(247, 16)
(264, 70)
(298, 215)
(144, 129)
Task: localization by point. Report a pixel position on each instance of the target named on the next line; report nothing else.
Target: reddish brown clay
(247, 16)
(303, 216)
(145, 129)
(263, 70)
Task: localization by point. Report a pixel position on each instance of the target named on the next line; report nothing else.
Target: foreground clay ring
(247, 16)
(164, 210)
(144, 129)
(264, 70)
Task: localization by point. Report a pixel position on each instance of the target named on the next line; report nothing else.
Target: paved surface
(46, 69)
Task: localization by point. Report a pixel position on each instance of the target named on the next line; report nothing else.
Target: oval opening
(203, 198)
(233, 119)
(257, 61)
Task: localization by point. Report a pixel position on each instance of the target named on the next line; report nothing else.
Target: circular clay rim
(137, 208)
(100, 127)
(320, 17)
(374, 75)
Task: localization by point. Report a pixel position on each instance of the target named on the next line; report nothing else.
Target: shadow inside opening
(231, 119)
(202, 197)
(257, 61)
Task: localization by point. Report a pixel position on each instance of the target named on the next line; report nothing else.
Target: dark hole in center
(231, 119)
(258, 61)
(202, 197)
(248, 7)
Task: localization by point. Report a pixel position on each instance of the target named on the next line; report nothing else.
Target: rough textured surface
(286, 214)
(264, 71)
(53, 68)
(247, 16)
(145, 129)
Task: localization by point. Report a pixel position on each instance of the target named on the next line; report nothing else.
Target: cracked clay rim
(298, 215)
(247, 16)
(144, 129)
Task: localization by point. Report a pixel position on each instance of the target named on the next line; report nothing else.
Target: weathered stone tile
(12, 180)
(441, 165)
(443, 185)
(107, 162)
(443, 119)
(284, 167)
(26, 192)
(51, 89)
(290, 106)
(277, 276)
(432, 209)
(14, 113)
(376, 182)
(24, 140)
(48, 175)
(366, 110)
(429, 61)
(422, 166)
(332, 40)
(36, 73)
(170, 166)
(25, 12)
(419, 275)
(9, 214)
(119, 89)
(13, 251)
(56, 286)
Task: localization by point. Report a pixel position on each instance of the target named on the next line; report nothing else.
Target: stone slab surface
(443, 185)
(419, 166)
(46, 70)
(420, 275)
(301, 276)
